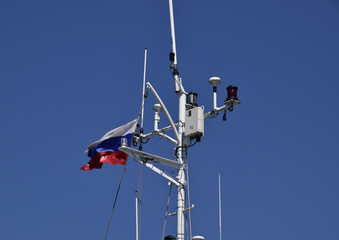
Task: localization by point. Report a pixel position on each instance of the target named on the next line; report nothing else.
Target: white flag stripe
(119, 131)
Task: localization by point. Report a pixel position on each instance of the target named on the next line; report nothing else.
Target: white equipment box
(194, 126)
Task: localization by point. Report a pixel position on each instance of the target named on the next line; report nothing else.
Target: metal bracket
(185, 210)
(160, 172)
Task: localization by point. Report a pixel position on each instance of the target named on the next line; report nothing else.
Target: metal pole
(143, 91)
(136, 216)
(181, 173)
(214, 98)
(219, 208)
(174, 47)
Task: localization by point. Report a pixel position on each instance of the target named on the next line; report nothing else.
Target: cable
(184, 153)
(115, 201)
(189, 201)
(144, 142)
(191, 145)
(166, 215)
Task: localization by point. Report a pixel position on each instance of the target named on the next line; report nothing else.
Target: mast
(183, 137)
(179, 146)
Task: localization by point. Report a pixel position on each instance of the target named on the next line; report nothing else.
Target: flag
(106, 149)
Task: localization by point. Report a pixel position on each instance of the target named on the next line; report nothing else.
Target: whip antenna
(143, 93)
(219, 208)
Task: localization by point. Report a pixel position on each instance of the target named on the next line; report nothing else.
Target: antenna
(214, 81)
(219, 208)
(174, 48)
(136, 216)
(143, 94)
(173, 55)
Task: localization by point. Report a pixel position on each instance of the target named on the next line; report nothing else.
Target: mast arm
(163, 135)
(216, 111)
(149, 86)
(160, 172)
(165, 129)
(228, 104)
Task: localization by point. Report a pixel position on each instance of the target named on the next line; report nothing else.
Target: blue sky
(72, 70)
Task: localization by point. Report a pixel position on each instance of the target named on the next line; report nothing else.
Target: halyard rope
(168, 201)
(115, 201)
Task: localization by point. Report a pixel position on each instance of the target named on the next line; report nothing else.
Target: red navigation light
(232, 93)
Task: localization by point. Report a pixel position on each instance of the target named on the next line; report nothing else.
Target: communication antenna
(219, 208)
(136, 216)
(143, 94)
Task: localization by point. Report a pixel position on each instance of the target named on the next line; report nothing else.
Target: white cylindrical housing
(157, 108)
(214, 81)
(156, 121)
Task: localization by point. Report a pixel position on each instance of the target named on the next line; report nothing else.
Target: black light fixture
(192, 98)
(169, 237)
(232, 93)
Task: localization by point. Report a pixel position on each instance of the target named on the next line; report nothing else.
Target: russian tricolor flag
(106, 149)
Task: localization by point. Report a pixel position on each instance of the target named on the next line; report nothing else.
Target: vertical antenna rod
(136, 216)
(143, 92)
(219, 208)
(174, 47)
(173, 55)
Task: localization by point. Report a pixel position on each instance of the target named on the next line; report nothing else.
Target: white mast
(179, 145)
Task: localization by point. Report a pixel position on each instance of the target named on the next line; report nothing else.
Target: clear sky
(72, 70)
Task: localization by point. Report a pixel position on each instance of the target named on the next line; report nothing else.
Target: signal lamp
(232, 93)
(192, 99)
